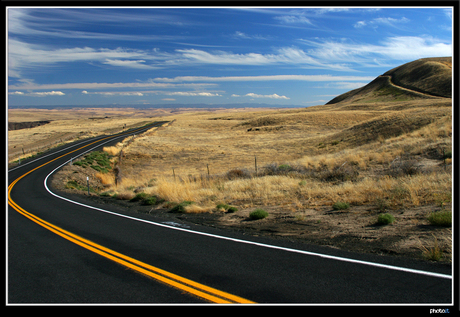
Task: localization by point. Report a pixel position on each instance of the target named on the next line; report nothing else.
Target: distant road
(62, 251)
(422, 94)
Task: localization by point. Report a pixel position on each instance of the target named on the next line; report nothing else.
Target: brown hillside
(425, 78)
(428, 75)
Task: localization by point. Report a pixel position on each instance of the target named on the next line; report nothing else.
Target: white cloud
(244, 36)
(375, 22)
(39, 94)
(115, 93)
(137, 64)
(264, 78)
(181, 93)
(148, 84)
(293, 19)
(253, 95)
(23, 56)
(393, 48)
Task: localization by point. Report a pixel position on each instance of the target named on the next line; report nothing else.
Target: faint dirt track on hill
(422, 94)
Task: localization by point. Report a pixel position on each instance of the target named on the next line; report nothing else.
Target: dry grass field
(378, 158)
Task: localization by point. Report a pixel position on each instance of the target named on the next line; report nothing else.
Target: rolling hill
(426, 78)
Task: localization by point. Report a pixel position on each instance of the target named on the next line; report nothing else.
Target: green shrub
(447, 155)
(258, 214)
(222, 206)
(232, 209)
(139, 196)
(385, 219)
(180, 208)
(284, 167)
(98, 160)
(152, 200)
(441, 218)
(341, 206)
(226, 207)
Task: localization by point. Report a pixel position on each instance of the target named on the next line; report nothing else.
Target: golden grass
(189, 159)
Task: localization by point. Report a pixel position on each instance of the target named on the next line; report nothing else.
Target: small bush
(284, 167)
(152, 200)
(441, 218)
(238, 173)
(232, 209)
(222, 206)
(139, 196)
(226, 208)
(385, 219)
(258, 214)
(340, 173)
(341, 206)
(180, 208)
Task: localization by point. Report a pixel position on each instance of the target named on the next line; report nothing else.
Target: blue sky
(299, 56)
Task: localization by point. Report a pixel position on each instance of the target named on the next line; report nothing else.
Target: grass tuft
(258, 214)
(441, 218)
(340, 206)
(385, 219)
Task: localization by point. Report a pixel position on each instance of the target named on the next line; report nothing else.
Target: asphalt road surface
(67, 252)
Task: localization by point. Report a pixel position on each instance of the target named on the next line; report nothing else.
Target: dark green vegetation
(340, 205)
(98, 160)
(441, 218)
(385, 219)
(258, 214)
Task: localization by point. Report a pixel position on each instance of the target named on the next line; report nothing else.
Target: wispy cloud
(263, 78)
(191, 94)
(253, 95)
(25, 21)
(143, 93)
(25, 56)
(180, 82)
(244, 36)
(381, 21)
(38, 94)
(114, 93)
(391, 48)
(95, 85)
(293, 19)
(135, 64)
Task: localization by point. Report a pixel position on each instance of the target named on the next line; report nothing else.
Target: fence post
(255, 163)
(174, 174)
(207, 165)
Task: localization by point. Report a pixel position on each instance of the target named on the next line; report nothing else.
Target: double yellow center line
(208, 293)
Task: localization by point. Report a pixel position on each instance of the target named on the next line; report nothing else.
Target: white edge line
(390, 267)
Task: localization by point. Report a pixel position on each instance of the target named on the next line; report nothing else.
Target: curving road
(64, 251)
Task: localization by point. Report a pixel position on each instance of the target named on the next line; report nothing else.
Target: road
(67, 252)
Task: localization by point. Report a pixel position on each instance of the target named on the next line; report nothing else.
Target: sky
(293, 56)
